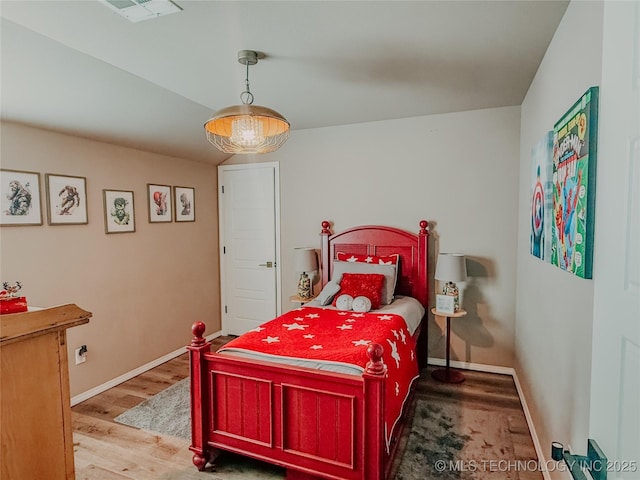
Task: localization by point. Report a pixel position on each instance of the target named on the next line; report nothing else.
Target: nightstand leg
(447, 375)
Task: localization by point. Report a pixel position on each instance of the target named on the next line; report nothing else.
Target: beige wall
(458, 171)
(555, 308)
(145, 289)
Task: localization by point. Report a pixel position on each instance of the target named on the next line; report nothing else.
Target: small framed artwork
(159, 199)
(20, 198)
(119, 214)
(185, 205)
(66, 199)
(445, 304)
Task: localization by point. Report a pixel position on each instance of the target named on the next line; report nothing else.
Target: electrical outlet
(81, 354)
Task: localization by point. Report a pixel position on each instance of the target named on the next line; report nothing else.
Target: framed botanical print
(20, 198)
(185, 205)
(159, 200)
(119, 214)
(66, 199)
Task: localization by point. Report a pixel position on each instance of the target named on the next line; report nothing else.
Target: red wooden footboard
(316, 424)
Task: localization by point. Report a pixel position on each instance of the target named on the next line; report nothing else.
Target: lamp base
(451, 289)
(304, 286)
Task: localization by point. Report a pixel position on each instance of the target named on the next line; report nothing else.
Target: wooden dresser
(36, 435)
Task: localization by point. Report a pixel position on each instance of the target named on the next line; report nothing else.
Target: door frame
(221, 232)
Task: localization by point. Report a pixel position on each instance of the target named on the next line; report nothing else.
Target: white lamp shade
(305, 260)
(451, 267)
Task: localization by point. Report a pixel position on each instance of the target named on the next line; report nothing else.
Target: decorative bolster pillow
(361, 304)
(363, 284)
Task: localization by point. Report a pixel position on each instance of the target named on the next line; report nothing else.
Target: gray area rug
(452, 443)
(442, 433)
(168, 412)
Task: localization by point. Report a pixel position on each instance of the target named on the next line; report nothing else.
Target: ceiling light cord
(246, 97)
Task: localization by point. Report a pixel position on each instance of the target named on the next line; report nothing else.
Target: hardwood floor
(105, 449)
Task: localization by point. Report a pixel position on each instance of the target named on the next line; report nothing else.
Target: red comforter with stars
(341, 337)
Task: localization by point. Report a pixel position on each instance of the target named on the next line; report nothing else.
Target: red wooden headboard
(380, 240)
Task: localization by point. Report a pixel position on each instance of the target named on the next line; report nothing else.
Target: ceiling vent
(138, 10)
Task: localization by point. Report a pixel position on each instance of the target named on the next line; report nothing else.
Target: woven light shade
(268, 130)
(247, 128)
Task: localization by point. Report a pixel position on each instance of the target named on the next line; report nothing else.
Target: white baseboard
(133, 373)
(476, 367)
(480, 367)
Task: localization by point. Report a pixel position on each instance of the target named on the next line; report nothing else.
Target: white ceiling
(80, 68)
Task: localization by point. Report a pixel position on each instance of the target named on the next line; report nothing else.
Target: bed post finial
(325, 255)
(375, 366)
(198, 329)
(423, 227)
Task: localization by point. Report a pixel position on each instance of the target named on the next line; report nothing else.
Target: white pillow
(389, 272)
(344, 302)
(328, 292)
(361, 304)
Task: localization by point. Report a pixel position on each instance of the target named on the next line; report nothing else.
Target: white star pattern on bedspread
(394, 352)
(295, 326)
(328, 335)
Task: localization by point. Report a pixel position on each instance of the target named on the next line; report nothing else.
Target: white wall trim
(543, 461)
(133, 373)
(477, 367)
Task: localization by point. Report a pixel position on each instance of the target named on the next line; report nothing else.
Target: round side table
(447, 374)
(301, 301)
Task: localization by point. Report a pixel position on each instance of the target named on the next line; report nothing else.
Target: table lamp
(451, 268)
(305, 262)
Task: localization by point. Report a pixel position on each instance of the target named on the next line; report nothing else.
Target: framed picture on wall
(20, 198)
(185, 205)
(119, 214)
(159, 200)
(66, 199)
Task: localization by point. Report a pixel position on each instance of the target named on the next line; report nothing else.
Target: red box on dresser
(13, 305)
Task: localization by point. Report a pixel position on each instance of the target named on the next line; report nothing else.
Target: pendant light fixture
(247, 128)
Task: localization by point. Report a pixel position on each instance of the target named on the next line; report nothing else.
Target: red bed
(317, 424)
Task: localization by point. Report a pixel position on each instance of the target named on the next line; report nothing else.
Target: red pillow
(365, 284)
(353, 257)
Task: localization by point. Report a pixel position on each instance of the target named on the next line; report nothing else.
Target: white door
(615, 379)
(249, 245)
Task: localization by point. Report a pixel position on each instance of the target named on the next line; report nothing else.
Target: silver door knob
(268, 264)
